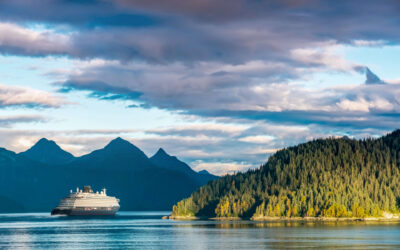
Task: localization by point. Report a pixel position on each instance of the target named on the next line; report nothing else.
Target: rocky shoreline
(324, 219)
(297, 219)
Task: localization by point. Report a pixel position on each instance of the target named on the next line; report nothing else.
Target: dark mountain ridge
(47, 151)
(118, 153)
(38, 178)
(164, 160)
(321, 178)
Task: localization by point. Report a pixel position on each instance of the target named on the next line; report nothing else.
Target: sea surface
(146, 230)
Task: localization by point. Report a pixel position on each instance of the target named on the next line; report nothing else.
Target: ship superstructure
(85, 202)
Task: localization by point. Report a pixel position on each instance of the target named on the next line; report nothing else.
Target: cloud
(221, 168)
(326, 54)
(179, 86)
(367, 43)
(189, 91)
(15, 39)
(244, 62)
(248, 91)
(257, 139)
(109, 132)
(362, 105)
(15, 96)
(195, 31)
(201, 129)
(241, 59)
(7, 121)
(85, 14)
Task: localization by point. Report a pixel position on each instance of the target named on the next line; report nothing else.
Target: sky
(222, 85)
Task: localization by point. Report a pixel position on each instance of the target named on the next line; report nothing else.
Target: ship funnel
(87, 189)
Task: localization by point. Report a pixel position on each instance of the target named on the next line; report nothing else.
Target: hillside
(38, 178)
(322, 178)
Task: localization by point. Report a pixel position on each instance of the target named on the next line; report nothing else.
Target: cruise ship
(87, 203)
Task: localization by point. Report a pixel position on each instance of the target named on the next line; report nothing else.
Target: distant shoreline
(283, 219)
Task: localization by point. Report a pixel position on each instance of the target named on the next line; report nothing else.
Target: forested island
(323, 178)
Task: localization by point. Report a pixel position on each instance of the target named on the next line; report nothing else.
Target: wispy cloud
(7, 121)
(222, 168)
(248, 94)
(28, 97)
(257, 139)
(15, 39)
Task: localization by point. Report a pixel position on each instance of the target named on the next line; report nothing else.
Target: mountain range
(36, 180)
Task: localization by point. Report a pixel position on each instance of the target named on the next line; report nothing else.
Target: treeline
(322, 178)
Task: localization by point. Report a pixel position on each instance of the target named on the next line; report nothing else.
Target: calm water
(146, 230)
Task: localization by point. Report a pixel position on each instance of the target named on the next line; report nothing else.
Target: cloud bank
(244, 62)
